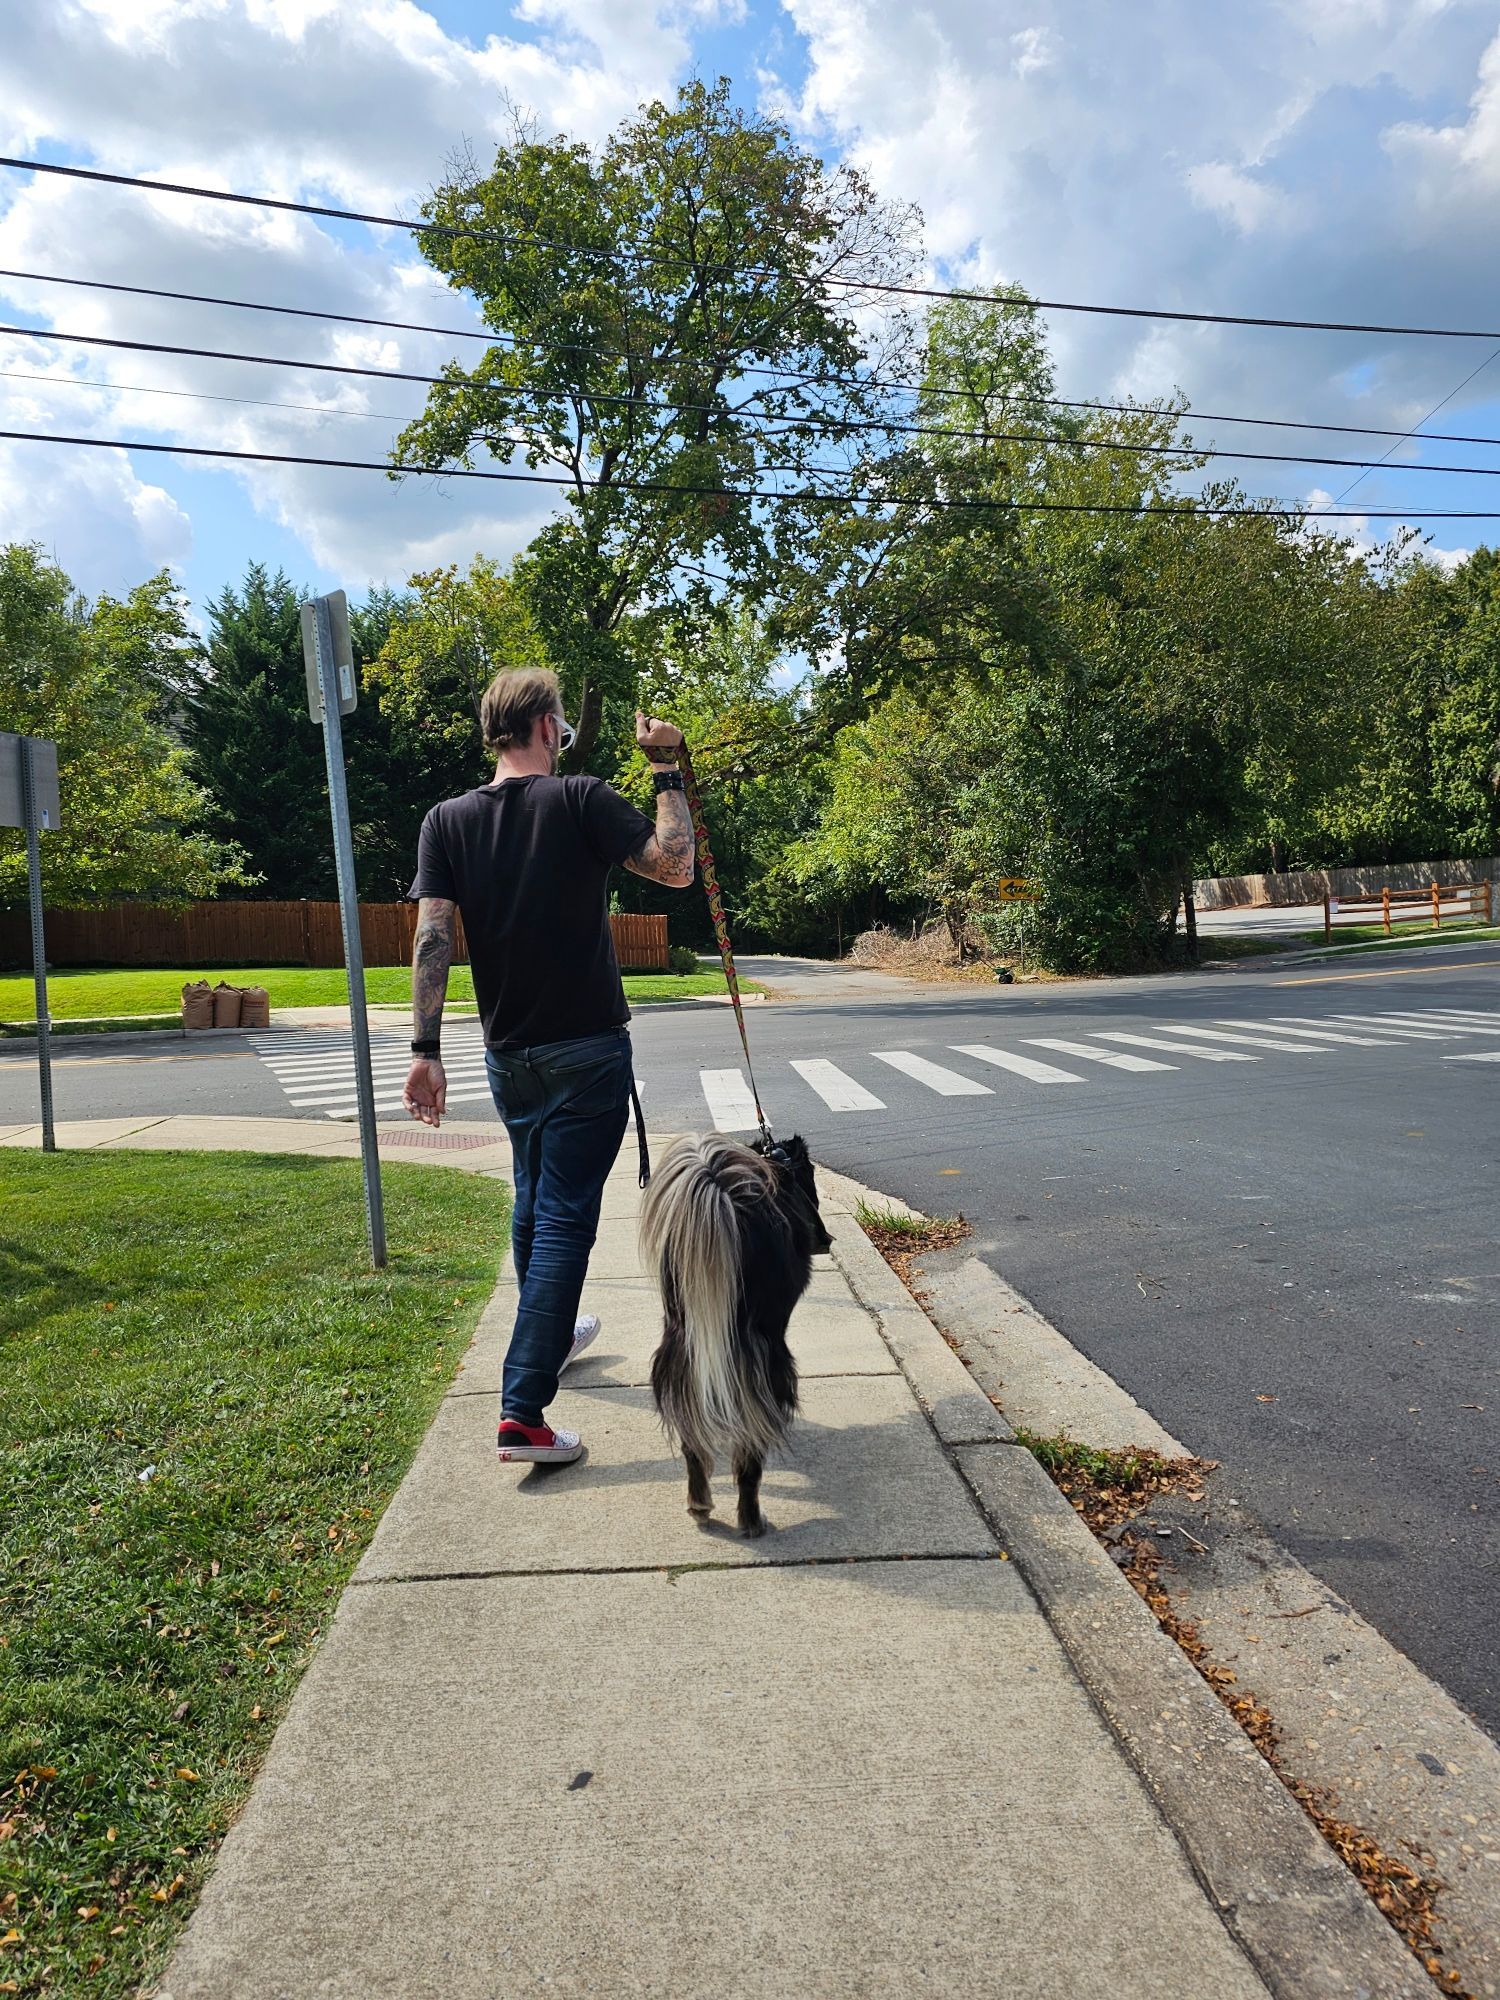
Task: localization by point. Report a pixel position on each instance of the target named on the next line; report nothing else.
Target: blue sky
(1332, 159)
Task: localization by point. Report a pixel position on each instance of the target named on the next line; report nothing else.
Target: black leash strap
(642, 1148)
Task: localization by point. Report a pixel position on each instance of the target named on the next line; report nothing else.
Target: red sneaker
(537, 1444)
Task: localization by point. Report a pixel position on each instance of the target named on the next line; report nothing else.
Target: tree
(451, 636)
(134, 824)
(632, 291)
(260, 756)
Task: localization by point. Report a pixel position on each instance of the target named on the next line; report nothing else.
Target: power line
(863, 285)
(708, 409)
(1416, 429)
(510, 344)
(194, 395)
(802, 498)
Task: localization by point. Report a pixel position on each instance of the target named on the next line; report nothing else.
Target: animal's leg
(747, 1471)
(699, 1472)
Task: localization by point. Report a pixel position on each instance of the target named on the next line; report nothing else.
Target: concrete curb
(1301, 1918)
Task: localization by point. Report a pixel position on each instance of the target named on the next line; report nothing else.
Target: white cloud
(1235, 196)
(1033, 50)
(357, 102)
(1234, 160)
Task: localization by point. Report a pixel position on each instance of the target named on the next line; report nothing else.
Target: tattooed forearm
(432, 954)
(667, 856)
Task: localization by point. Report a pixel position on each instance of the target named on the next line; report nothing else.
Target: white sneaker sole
(540, 1454)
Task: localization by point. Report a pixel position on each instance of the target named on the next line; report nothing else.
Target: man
(527, 860)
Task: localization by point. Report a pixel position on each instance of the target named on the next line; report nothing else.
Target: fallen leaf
(184, 1772)
(88, 1910)
(1266, 1399)
(110, 1832)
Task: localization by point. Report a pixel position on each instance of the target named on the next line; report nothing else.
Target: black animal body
(730, 1232)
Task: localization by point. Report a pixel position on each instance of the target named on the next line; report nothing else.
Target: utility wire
(862, 285)
(509, 344)
(1415, 431)
(806, 497)
(501, 389)
(195, 396)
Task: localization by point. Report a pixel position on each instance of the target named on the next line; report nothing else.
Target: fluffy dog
(730, 1232)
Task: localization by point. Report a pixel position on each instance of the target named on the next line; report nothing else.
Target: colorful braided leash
(709, 872)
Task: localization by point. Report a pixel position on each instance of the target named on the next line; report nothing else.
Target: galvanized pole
(354, 963)
(32, 818)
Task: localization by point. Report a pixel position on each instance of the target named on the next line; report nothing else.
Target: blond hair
(514, 702)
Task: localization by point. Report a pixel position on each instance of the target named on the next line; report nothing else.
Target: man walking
(527, 859)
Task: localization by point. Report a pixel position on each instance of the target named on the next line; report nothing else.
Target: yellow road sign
(1016, 889)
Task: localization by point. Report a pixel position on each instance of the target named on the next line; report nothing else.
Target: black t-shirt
(527, 862)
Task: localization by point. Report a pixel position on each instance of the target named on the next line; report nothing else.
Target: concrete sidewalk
(559, 1740)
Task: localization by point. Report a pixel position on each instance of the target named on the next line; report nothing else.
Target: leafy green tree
(92, 677)
(453, 633)
(259, 755)
(631, 292)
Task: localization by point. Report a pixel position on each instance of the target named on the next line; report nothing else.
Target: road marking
(1466, 1013)
(1484, 1055)
(946, 1082)
(1109, 1056)
(838, 1091)
(1249, 1041)
(1027, 1066)
(1175, 1048)
(1383, 1022)
(1305, 1025)
(730, 1104)
(1446, 1024)
(1391, 972)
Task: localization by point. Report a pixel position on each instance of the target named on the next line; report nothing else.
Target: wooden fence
(211, 936)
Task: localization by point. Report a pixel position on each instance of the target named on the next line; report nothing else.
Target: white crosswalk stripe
(315, 1069)
(1173, 1048)
(1246, 1041)
(838, 1090)
(946, 1082)
(1110, 1056)
(1386, 1026)
(1027, 1066)
(1479, 1055)
(727, 1095)
(1466, 1013)
(1448, 1024)
(1304, 1024)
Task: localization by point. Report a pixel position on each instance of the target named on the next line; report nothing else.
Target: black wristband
(427, 1048)
(667, 781)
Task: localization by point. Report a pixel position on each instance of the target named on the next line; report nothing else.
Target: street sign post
(331, 695)
(29, 799)
(1016, 889)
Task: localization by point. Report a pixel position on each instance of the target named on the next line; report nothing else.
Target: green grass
(1451, 932)
(120, 991)
(206, 1399)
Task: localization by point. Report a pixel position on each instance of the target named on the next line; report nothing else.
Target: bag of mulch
(255, 1007)
(197, 1004)
(226, 1005)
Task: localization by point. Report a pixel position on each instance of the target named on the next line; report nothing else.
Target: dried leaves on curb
(1108, 1489)
(899, 1238)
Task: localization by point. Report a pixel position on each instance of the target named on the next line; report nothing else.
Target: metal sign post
(29, 799)
(331, 695)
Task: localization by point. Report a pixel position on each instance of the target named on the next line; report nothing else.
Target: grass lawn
(1404, 935)
(123, 990)
(206, 1399)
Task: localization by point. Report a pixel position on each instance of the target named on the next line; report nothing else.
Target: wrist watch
(432, 1049)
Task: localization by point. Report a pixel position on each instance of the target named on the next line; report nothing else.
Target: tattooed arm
(426, 1092)
(667, 856)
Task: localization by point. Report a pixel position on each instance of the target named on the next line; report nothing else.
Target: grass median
(119, 992)
(206, 1400)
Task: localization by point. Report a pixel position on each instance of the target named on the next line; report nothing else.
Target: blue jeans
(564, 1105)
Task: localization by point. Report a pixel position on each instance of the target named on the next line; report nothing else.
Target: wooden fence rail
(211, 936)
(1408, 903)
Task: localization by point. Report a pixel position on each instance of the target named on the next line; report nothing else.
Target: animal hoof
(700, 1513)
(752, 1530)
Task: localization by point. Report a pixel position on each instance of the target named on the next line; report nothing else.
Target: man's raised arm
(426, 1092)
(667, 856)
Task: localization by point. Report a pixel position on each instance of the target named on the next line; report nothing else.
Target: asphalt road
(1290, 1259)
